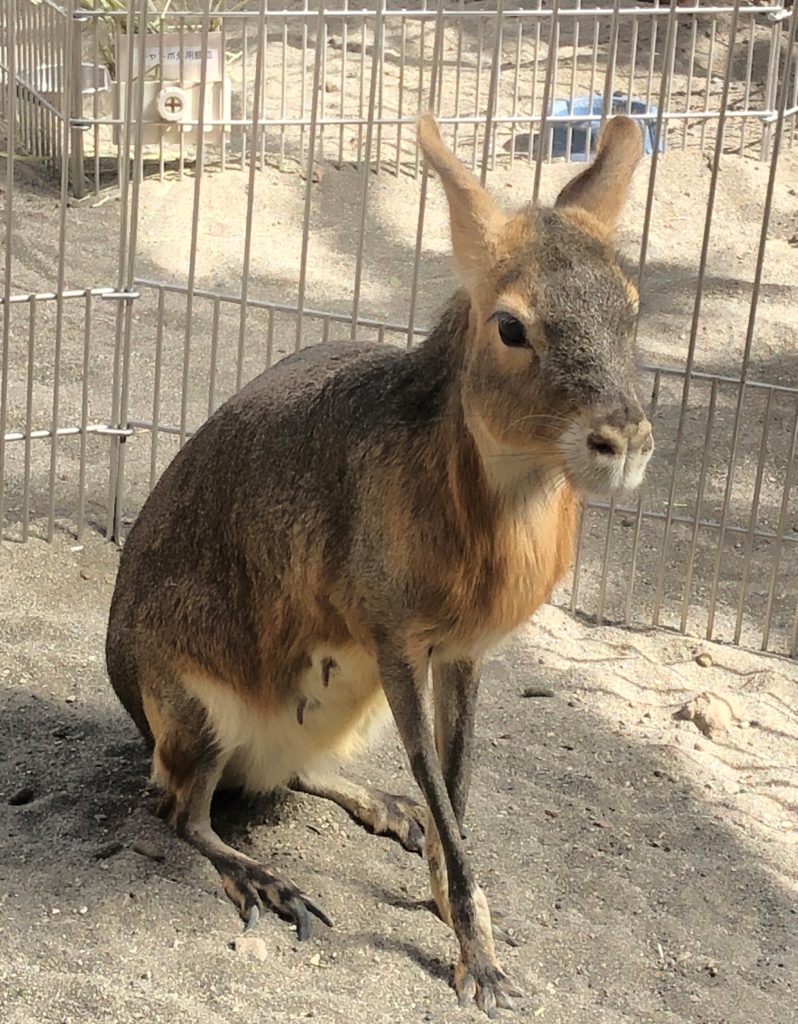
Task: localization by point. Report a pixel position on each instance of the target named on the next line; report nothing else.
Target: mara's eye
(511, 331)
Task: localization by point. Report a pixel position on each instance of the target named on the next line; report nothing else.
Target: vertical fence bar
(365, 170)
(343, 85)
(688, 93)
(11, 111)
(749, 334)
(699, 501)
(422, 39)
(195, 217)
(670, 42)
(32, 334)
(627, 608)
(362, 81)
(212, 368)
(130, 245)
(161, 147)
(477, 91)
(752, 519)
(569, 132)
(691, 349)
(400, 103)
(547, 100)
(606, 109)
(283, 91)
(66, 134)
(458, 78)
(24, 115)
(708, 86)
(781, 530)
(156, 390)
(95, 102)
(519, 43)
(181, 44)
(122, 253)
(224, 130)
(493, 92)
(771, 82)
(84, 412)
(748, 75)
(257, 102)
(609, 75)
(434, 100)
(73, 106)
(314, 116)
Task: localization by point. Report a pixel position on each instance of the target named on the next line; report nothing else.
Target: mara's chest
(530, 549)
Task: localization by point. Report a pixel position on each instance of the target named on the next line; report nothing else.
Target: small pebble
(704, 659)
(252, 945)
(537, 691)
(22, 796)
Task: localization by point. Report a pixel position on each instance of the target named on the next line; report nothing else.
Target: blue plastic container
(590, 108)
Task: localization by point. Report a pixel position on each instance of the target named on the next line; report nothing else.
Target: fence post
(75, 109)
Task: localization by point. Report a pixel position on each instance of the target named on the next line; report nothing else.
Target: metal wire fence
(111, 361)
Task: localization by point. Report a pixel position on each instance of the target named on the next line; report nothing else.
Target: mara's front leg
(455, 688)
(478, 974)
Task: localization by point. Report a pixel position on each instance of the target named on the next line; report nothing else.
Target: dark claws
(317, 911)
(298, 907)
(300, 916)
(415, 841)
(252, 917)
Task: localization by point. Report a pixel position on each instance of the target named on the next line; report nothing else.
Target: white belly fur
(334, 722)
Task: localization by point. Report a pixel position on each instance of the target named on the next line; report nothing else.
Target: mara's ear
(476, 220)
(601, 189)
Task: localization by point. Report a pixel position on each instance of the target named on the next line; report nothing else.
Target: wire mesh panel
(496, 68)
(282, 202)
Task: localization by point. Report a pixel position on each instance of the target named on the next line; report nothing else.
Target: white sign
(162, 56)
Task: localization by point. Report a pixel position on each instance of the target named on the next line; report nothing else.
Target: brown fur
(358, 514)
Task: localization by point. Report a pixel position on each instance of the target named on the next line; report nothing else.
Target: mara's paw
(252, 888)
(487, 985)
(401, 818)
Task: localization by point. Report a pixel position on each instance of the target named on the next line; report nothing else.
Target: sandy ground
(648, 871)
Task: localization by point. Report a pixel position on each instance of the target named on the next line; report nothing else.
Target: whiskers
(552, 419)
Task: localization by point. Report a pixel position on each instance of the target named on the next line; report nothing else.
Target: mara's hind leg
(382, 813)
(189, 764)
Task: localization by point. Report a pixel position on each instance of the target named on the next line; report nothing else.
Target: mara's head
(550, 368)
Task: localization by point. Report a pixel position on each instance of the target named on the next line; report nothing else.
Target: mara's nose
(616, 440)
